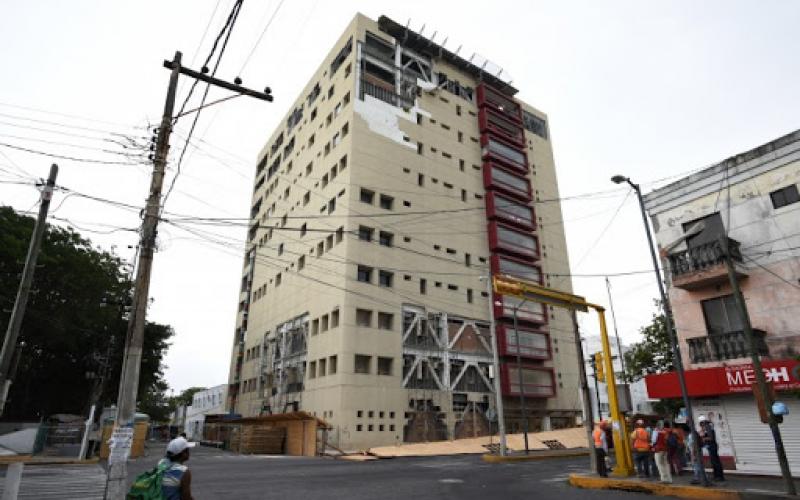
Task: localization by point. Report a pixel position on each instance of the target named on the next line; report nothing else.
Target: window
(365, 233)
(452, 287)
(467, 259)
(322, 367)
(365, 274)
(384, 366)
(324, 180)
(280, 249)
(722, 315)
(367, 196)
(343, 163)
(463, 195)
(312, 369)
(469, 295)
(385, 320)
(329, 242)
(385, 278)
(423, 286)
(331, 205)
(420, 180)
(359, 428)
(370, 427)
(339, 234)
(320, 248)
(301, 263)
(363, 317)
(460, 136)
(335, 318)
(315, 326)
(331, 91)
(406, 203)
(534, 124)
(362, 363)
(311, 140)
(303, 229)
(386, 202)
(785, 196)
(324, 322)
(386, 239)
(420, 146)
(332, 362)
(306, 198)
(278, 280)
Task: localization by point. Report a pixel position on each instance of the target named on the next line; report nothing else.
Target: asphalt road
(219, 474)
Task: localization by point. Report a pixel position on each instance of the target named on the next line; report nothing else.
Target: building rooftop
(423, 45)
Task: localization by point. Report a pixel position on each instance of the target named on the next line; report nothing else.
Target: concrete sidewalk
(735, 487)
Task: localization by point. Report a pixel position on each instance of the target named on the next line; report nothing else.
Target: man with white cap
(177, 479)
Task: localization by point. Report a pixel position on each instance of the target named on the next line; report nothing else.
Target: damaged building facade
(399, 180)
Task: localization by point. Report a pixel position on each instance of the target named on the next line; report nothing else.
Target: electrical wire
(66, 157)
(260, 37)
(226, 32)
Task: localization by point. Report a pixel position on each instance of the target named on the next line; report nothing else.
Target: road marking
(451, 481)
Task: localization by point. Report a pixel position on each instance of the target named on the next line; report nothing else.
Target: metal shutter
(752, 440)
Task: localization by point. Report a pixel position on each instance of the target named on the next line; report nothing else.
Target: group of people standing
(664, 450)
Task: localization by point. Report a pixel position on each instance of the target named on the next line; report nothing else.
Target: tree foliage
(654, 353)
(73, 332)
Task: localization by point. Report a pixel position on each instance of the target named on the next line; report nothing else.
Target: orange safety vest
(597, 434)
(640, 441)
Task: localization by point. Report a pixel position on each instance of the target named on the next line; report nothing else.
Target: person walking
(674, 444)
(708, 438)
(177, 480)
(660, 449)
(697, 462)
(640, 444)
(600, 447)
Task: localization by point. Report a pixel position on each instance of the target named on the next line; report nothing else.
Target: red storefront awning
(784, 374)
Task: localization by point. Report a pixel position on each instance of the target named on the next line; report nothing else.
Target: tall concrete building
(400, 178)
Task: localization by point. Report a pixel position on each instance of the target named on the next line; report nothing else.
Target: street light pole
(501, 424)
(522, 409)
(673, 337)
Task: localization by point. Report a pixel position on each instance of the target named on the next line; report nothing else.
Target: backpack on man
(147, 485)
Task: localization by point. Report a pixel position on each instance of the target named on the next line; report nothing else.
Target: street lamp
(673, 337)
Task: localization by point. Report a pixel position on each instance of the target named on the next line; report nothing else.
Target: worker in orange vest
(640, 444)
(600, 447)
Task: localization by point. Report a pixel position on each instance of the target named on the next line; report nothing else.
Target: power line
(260, 37)
(65, 157)
(226, 32)
(794, 285)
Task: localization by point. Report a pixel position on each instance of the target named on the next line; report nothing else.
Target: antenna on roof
(434, 35)
(421, 30)
(458, 49)
(471, 57)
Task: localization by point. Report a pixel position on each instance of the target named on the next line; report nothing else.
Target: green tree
(653, 354)
(74, 328)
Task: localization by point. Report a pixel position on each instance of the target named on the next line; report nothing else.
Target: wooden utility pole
(15, 322)
(134, 340)
(761, 379)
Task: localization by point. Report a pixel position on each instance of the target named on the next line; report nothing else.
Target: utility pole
(761, 380)
(501, 422)
(616, 332)
(15, 322)
(134, 339)
(588, 421)
(671, 332)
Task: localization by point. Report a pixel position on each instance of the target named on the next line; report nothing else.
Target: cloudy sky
(647, 89)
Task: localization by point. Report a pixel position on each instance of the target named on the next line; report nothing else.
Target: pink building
(750, 200)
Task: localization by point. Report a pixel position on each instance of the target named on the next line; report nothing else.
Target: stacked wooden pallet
(262, 440)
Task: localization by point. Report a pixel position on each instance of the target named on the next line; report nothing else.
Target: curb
(680, 491)
(29, 460)
(499, 459)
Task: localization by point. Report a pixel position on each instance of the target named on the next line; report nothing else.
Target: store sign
(782, 374)
(742, 377)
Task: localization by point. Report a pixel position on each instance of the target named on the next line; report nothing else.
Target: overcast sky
(647, 89)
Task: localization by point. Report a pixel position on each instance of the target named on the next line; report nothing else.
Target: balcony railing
(384, 94)
(702, 257)
(723, 346)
